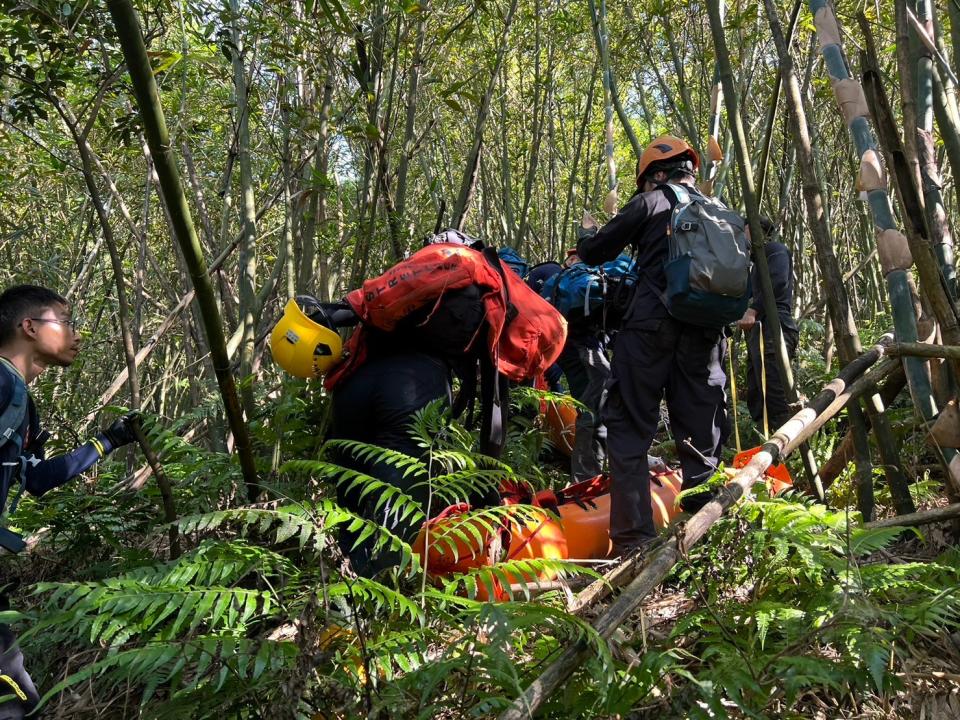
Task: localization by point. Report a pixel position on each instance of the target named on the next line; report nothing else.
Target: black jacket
(642, 223)
(781, 276)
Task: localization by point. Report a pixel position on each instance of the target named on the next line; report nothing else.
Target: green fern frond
(522, 573)
(373, 454)
(377, 598)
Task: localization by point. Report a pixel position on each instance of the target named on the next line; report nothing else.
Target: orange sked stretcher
(570, 524)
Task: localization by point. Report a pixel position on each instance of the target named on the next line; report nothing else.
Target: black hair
(22, 301)
(675, 168)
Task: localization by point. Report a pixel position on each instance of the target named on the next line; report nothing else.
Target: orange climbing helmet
(666, 149)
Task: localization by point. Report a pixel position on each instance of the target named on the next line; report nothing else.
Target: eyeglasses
(72, 323)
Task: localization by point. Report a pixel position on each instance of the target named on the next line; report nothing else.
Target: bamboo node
(827, 29)
(872, 175)
(894, 251)
(852, 101)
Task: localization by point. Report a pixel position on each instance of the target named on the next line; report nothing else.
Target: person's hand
(585, 232)
(121, 432)
(748, 320)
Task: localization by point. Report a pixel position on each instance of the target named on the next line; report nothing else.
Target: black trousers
(587, 371)
(778, 410)
(376, 405)
(19, 685)
(683, 364)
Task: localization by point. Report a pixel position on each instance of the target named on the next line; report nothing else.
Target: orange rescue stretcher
(570, 524)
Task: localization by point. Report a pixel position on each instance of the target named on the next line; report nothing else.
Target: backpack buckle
(688, 226)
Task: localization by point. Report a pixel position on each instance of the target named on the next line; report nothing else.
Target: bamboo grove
(180, 169)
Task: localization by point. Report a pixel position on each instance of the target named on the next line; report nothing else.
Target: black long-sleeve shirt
(42, 474)
(780, 263)
(643, 223)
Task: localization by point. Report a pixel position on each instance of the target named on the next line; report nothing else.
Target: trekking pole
(163, 482)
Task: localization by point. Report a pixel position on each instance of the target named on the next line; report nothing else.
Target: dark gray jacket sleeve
(613, 237)
(778, 260)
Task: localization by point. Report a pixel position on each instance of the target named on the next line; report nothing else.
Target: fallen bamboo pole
(806, 423)
(928, 350)
(926, 517)
(799, 427)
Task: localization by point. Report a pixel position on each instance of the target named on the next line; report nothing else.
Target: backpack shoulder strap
(13, 415)
(490, 255)
(556, 284)
(679, 192)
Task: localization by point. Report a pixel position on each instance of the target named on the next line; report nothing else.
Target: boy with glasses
(36, 331)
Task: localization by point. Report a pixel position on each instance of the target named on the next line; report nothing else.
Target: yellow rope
(763, 382)
(733, 396)
(14, 686)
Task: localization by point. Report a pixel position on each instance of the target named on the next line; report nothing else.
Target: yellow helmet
(303, 347)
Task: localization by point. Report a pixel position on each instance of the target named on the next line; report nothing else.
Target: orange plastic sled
(778, 476)
(572, 524)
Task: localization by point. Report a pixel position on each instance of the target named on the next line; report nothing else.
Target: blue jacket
(42, 474)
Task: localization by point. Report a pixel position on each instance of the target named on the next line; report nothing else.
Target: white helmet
(454, 237)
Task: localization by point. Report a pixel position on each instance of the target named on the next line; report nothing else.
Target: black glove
(329, 314)
(584, 233)
(121, 432)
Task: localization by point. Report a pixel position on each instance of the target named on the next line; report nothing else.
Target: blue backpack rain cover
(511, 258)
(582, 291)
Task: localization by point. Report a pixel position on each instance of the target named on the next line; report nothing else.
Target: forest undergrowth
(788, 609)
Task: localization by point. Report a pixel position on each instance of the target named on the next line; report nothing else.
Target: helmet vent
(292, 337)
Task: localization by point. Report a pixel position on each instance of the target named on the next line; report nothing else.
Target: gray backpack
(708, 266)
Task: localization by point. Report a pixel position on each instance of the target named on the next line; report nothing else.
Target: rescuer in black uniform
(656, 356)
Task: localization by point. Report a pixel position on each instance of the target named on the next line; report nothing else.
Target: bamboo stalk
(932, 182)
(926, 517)
(748, 190)
(927, 350)
(838, 302)
(155, 128)
(163, 482)
(468, 182)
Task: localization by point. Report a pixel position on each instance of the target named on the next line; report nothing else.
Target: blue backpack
(598, 294)
(708, 267)
(511, 258)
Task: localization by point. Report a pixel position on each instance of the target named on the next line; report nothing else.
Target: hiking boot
(632, 550)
